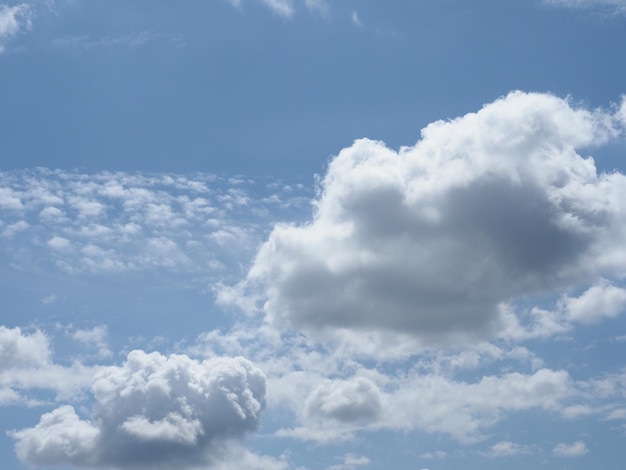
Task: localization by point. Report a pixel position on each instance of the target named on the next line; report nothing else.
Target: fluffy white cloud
(434, 240)
(26, 364)
(345, 400)
(576, 449)
(60, 437)
(153, 411)
(599, 301)
(18, 349)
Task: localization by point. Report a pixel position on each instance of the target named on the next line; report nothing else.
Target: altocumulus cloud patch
(152, 411)
(435, 240)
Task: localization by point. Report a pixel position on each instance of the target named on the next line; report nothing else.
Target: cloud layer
(435, 239)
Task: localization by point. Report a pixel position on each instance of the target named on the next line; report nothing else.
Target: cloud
(97, 337)
(599, 301)
(345, 401)
(130, 41)
(434, 241)
(320, 6)
(576, 449)
(60, 437)
(115, 222)
(284, 8)
(429, 402)
(618, 6)
(14, 19)
(152, 411)
(18, 349)
(19, 352)
(507, 449)
(350, 462)
(26, 364)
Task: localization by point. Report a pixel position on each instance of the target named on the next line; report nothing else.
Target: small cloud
(282, 8)
(576, 411)
(599, 301)
(619, 414)
(507, 449)
(50, 299)
(17, 227)
(59, 243)
(576, 449)
(350, 462)
(355, 18)
(96, 337)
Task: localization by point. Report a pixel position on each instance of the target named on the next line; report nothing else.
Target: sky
(312, 234)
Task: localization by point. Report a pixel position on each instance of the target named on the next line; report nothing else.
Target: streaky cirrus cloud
(287, 8)
(618, 6)
(152, 411)
(437, 239)
(284, 8)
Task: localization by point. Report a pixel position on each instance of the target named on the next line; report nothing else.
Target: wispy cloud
(13, 20)
(576, 449)
(130, 41)
(617, 6)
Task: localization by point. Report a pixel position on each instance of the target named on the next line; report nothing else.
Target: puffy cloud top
(153, 411)
(432, 240)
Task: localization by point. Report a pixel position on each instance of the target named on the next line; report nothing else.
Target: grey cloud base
(436, 239)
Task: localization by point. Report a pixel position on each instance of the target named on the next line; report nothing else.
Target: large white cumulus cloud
(434, 239)
(154, 411)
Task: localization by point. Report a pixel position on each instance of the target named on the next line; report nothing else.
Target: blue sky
(312, 234)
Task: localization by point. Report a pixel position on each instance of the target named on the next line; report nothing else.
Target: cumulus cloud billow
(153, 411)
(435, 239)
